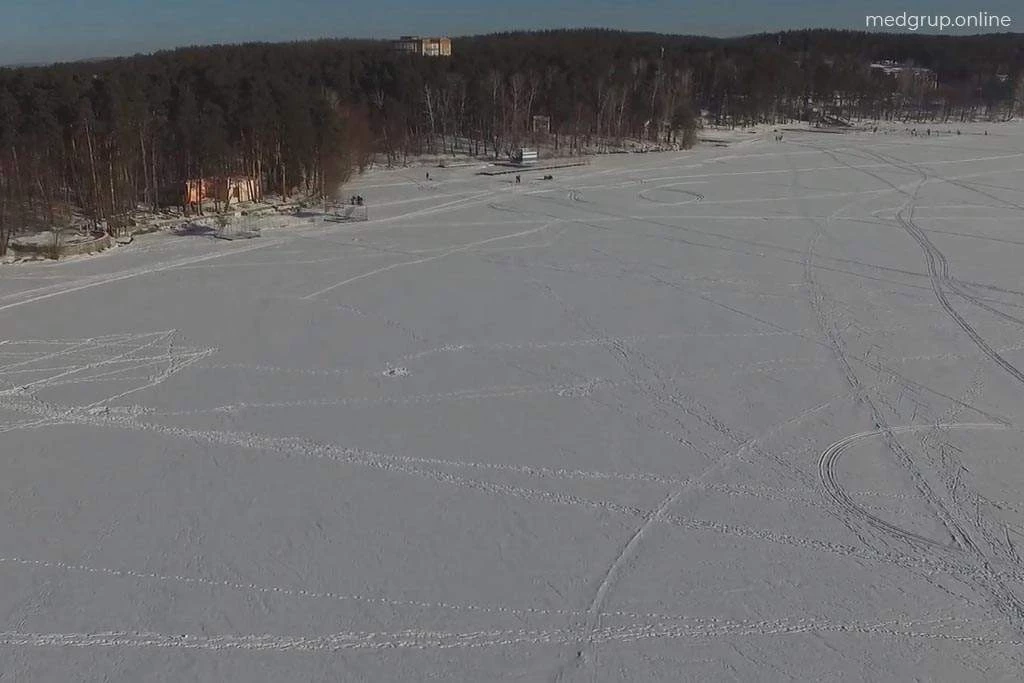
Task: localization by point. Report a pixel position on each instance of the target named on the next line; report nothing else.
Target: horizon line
(366, 39)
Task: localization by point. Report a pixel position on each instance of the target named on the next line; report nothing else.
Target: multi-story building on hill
(426, 47)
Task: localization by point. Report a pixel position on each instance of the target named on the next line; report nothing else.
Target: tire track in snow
(590, 341)
(292, 447)
(282, 591)
(416, 639)
(954, 518)
(426, 259)
(568, 390)
(108, 278)
(830, 457)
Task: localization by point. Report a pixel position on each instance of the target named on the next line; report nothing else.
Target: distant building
(425, 47)
(912, 74)
(227, 189)
(408, 44)
(542, 124)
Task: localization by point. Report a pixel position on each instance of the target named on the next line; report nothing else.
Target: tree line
(96, 141)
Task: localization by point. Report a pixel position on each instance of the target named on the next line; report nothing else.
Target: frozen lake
(743, 413)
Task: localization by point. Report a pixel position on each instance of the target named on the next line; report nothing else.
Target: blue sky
(51, 30)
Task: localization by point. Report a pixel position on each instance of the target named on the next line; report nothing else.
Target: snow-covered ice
(735, 413)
